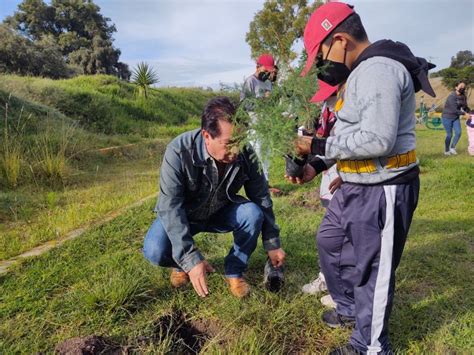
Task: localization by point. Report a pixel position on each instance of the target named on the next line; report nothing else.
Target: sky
(202, 42)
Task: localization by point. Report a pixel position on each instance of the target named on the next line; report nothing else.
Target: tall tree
(462, 59)
(276, 28)
(82, 33)
(461, 69)
(33, 19)
(21, 55)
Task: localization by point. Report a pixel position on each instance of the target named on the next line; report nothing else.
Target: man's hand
(197, 275)
(303, 145)
(310, 145)
(335, 184)
(309, 173)
(277, 257)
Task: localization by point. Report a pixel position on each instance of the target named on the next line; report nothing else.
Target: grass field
(53, 175)
(100, 283)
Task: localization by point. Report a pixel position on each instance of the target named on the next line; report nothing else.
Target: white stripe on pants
(382, 283)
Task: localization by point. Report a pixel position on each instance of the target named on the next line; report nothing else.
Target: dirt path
(43, 248)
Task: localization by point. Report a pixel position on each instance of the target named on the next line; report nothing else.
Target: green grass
(101, 284)
(34, 214)
(96, 185)
(52, 178)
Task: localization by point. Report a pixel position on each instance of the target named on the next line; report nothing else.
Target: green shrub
(53, 148)
(12, 147)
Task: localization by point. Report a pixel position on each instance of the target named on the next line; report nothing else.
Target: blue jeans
(449, 124)
(244, 220)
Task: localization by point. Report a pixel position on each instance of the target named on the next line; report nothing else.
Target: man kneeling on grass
(201, 174)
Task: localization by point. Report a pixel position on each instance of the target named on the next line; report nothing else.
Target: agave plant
(144, 76)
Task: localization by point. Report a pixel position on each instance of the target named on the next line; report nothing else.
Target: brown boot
(238, 286)
(178, 278)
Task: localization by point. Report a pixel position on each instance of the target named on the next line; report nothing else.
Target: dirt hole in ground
(188, 336)
(88, 345)
(308, 200)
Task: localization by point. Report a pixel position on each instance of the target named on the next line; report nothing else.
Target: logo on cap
(326, 24)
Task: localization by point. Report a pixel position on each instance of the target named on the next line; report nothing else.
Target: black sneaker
(273, 278)
(346, 350)
(335, 320)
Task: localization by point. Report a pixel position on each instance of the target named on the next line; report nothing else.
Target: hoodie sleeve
(378, 91)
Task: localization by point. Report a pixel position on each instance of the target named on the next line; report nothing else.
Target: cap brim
(325, 91)
(310, 60)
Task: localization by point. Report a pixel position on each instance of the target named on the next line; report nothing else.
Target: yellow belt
(368, 166)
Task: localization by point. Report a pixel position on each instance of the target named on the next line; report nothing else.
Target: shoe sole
(339, 325)
(334, 326)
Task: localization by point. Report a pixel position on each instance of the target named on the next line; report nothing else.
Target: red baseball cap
(321, 23)
(324, 92)
(267, 61)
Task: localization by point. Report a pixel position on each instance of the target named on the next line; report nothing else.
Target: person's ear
(345, 41)
(206, 135)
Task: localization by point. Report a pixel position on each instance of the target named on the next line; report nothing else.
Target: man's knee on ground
(154, 251)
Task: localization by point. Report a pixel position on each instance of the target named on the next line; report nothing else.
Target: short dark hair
(217, 109)
(352, 26)
(460, 82)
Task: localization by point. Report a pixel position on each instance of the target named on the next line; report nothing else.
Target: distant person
(259, 85)
(455, 106)
(202, 172)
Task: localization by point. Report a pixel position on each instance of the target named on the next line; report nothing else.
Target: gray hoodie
(377, 119)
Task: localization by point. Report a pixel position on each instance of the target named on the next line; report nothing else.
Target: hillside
(105, 104)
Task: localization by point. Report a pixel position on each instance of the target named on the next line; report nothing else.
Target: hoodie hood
(416, 66)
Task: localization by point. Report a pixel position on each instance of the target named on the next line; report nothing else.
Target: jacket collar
(199, 150)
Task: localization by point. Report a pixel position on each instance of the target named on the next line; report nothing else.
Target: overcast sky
(202, 42)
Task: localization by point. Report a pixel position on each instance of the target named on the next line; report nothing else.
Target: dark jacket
(454, 104)
(185, 185)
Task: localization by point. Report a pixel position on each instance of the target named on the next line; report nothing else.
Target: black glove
(318, 165)
(318, 146)
(294, 166)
